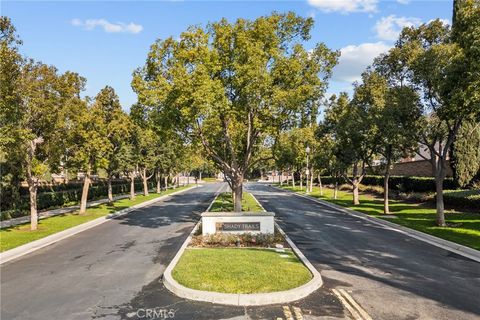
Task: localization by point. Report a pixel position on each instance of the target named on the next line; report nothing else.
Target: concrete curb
(435, 241)
(51, 239)
(257, 299)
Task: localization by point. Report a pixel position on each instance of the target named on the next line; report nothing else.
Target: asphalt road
(113, 271)
(391, 275)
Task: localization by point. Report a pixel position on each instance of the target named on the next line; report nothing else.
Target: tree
(284, 154)
(144, 147)
(394, 114)
(11, 63)
(231, 86)
(465, 155)
(347, 122)
(326, 160)
(157, 146)
(118, 127)
(44, 97)
(465, 81)
(91, 146)
(35, 104)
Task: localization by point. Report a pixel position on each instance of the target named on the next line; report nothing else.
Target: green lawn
(464, 228)
(15, 236)
(224, 203)
(237, 270)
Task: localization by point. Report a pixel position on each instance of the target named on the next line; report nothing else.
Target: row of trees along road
(232, 87)
(422, 95)
(45, 126)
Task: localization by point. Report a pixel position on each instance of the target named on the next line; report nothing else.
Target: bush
(463, 199)
(401, 183)
(67, 195)
(244, 240)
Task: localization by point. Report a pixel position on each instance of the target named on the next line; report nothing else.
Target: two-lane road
(392, 275)
(113, 271)
(94, 273)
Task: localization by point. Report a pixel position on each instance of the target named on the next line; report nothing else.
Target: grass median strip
(21, 234)
(240, 270)
(464, 227)
(224, 203)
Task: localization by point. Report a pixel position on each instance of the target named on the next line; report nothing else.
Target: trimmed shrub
(401, 183)
(67, 195)
(463, 199)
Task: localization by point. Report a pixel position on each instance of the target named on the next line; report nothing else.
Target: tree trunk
(301, 181)
(109, 187)
(166, 181)
(281, 178)
(320, 184)
(86, 186)
(32, 184)
(132, 186)
(237, 186)
(386, 208)
(32, 189)
(439, 202)
(158, 179)
(335, 191)
(145, 184)
(188, 179)
(355, 192)
(293, 179)
(311, 182)
(200, 176)
(65, 180)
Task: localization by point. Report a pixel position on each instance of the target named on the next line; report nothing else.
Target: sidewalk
(59, 211)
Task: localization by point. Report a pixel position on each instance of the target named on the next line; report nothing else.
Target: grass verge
(21, 234)
(224, 203)
(464, 228)
(237, 270)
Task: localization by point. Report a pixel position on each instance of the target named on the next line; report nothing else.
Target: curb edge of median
(256, 299)
(456, 248)
(35, 245)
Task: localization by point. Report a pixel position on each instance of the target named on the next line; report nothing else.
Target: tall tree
(11, 63)
(394, 114)
(118, 128)
(44, 97)
(353, 131)
(91, 146)
(465, 156)
(233, 85)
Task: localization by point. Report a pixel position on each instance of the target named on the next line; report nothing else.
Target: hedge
(401, 183)
(70, 186)
(463, 198)
(67, 195)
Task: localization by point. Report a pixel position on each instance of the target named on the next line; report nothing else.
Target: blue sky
(105, 41)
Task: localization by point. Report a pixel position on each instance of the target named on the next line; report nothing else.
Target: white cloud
(388, 28)
(354, 59)
(107, 26)
(345, 6)
(403, 1)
